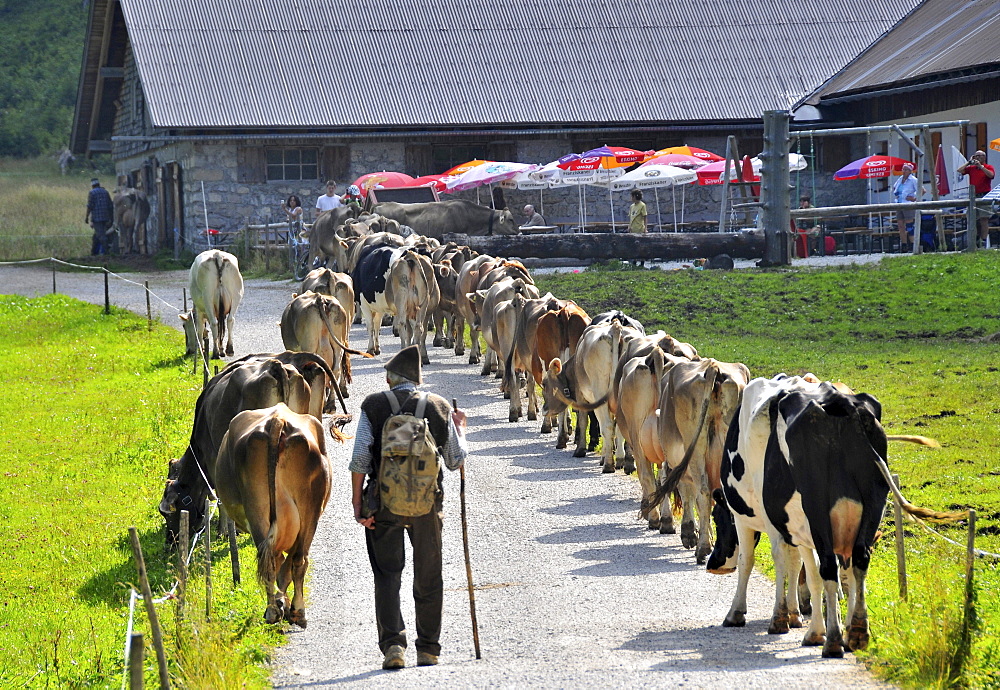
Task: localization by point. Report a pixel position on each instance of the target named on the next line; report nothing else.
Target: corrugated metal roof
(938, 37)
(302, 63)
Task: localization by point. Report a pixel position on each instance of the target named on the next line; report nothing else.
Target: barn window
(292, 164)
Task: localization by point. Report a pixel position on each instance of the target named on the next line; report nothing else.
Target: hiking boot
(426, 659)
(394, 658)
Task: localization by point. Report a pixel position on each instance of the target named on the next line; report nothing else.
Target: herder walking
(419, 423)
(100, 214)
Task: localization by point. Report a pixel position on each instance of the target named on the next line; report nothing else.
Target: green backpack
(408, 472)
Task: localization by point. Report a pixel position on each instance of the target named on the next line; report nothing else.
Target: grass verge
(95, 406)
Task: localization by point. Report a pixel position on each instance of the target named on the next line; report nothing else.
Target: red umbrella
(603, 157)
(428, 181)
(679, 160)
(691, 151)
(386, 179)
(871, 166)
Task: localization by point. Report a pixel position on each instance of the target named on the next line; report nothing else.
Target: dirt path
(571, 587)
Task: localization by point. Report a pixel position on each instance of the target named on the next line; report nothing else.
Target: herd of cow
(799, 459)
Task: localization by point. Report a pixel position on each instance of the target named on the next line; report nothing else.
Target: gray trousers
(387, 557)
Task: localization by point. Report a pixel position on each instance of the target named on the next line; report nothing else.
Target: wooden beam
(99, 146)
(113, 72)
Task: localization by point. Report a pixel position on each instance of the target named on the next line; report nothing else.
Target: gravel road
(571, 588)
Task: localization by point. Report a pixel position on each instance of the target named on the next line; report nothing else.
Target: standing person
(905, 189)
(100, 213)
(293, 211)
(328, 201)
(980, 175)
(384, 530)
(353, 196)
(637, 213)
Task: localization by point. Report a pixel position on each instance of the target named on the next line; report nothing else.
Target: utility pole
(775, 211)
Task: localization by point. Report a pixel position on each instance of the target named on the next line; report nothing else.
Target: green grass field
(95, 406)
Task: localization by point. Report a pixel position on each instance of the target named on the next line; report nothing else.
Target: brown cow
(447, 308)
(486, 302)
(468, 280)
(697, 403)
(274, 481)
(317, 323)
(339, 285)
(413, 291)
(298, 379)
(546, 328)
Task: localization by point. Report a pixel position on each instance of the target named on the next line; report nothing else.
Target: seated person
(534, 217)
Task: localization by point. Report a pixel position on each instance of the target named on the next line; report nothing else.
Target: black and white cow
(371, 277)
(805, 462)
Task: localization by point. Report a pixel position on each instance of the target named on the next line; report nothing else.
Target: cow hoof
(794, 619)
(229, 351)
(473, 359)
(608, 468)
(689, 536)
(805, 606)
(667, 527)
(833, 651)
(580, 453)
(629, 467)
(533, 417)
(735, 620)
(653, 524)
(425, 360)
(273, 614)
(857, 634)
(513, 417)
(506, 396)
(546, 427)
(702, 554)
(485, 371)
(437, 342)
(297, 617)
(778, 626)
(813, 640)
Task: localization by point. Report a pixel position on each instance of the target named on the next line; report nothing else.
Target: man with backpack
(404, 439)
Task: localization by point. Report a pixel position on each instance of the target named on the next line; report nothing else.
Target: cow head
(177, 496)
(557, 394)
(190, 332)
(504, 223)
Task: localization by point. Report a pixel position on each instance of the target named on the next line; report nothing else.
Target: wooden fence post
(900, 551)
(53, 277)
(208, 558)
(184, 298)
(182, 569)
(135, 653)
(147, 596)
(149, 311)
(107, 295)
(234, 551)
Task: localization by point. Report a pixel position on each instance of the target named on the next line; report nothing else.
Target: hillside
(38, 86)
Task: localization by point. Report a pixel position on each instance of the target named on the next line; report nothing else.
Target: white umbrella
(653, 177)
(487, 174)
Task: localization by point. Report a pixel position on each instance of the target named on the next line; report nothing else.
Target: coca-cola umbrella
(679, 160)
(384, 178)
(870, 167)
(436, 181)
(704, 155)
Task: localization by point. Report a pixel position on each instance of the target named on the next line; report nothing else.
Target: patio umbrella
(711, 173)
(435, 181)
(607, 157)
(680, 160)
(464, 167)
(691, 151)
(386, 179)
(995, 144)
(487, 174)
(654, 177)
(871, 166)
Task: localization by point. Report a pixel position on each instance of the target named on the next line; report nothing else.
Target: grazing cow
(806, 463)
(638, 388)
(583, 382)
(413, 292)
(438, 218)
(216, 291)
(298, 379)
(317, 323)
(131, 212)
(697, 404)
(274, 481)
(339, 285)
(546, 328)
(486, 302)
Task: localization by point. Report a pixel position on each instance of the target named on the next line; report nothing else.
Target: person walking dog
(404, 439)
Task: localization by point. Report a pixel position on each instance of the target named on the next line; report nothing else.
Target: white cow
(216, 290)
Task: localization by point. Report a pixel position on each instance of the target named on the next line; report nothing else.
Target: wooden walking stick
(468, 564)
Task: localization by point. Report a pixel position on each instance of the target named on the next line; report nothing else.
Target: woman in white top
(293, 210)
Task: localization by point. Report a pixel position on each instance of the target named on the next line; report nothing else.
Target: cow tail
(920, 440)
(916, 511)
(277, 371)
(274, 429)
(220, 314)
(671, 481)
